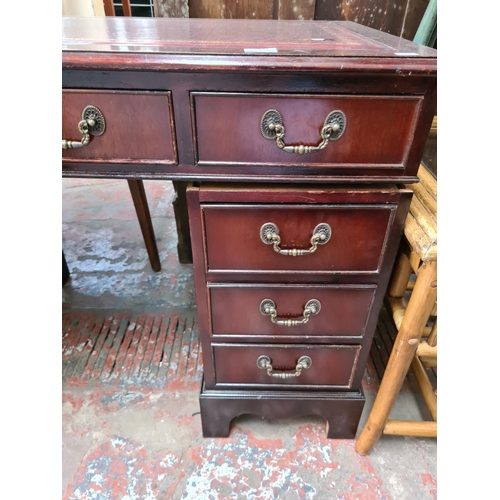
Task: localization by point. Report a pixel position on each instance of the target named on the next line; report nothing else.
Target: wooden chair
(416, 342)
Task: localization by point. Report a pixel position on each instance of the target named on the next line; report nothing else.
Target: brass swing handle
(92, 123)
(268, 308)
(264, 363)
(270, 235)
(272, 128)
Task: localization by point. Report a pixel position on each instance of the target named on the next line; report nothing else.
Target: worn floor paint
(133, 431)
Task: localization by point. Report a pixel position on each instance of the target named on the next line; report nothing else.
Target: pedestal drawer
(323, 366)
(138, 126)
(301, 310)
(355, 243)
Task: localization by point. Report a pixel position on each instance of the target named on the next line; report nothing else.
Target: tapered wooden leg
(65, 270)
(407, 340)
(142, 210)
(182, 221)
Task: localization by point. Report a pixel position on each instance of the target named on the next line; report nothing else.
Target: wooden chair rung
(427, 354)
(411, 428)
(400, 276)
(426, 388)
(433, 335)
(415, 261)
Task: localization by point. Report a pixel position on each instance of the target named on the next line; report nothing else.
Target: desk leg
(65, 270)
(417, 313)
(182, 221)
(142, 209)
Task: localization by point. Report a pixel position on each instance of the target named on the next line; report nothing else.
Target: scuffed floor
(131, 372)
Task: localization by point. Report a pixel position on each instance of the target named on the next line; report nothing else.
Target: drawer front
(356, 245)
(238, 310)
(377, 130)
(138, 126)
(331, 366)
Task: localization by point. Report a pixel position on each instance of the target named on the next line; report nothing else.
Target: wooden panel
(227, 9)
(171, 8)
(296, 9)
(379, 14)
(130, 118)
(356, 245)
(332, 365)
(379, 129)
(253, 9)
(235, 310)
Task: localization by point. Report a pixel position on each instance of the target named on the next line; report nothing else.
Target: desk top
(243, 42)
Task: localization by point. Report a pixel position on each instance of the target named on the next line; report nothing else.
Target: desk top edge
(239, 38)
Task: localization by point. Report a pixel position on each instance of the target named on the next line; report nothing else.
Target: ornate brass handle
(272, 128)
(270, 235)
(264, 363)
(92, 122)
(268, 308)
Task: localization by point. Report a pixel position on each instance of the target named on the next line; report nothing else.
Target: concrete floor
(139, 437)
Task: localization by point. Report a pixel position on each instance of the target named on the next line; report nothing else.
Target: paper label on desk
(270, 50)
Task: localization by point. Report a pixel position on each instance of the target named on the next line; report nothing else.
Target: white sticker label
(270, 50)
(406, 53)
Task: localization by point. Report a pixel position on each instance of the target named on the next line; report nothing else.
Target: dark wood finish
(128, 115)
(141, 207)
(332, 365)
(359, 232)
(199, 55)
(378, 132)
(235, 310)
(210, 70)
(182, 222)
(341, 410)
(228, 306)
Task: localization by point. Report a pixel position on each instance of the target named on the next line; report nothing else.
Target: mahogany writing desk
(293, 139)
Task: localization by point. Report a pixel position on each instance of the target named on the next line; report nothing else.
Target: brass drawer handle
(270, 235)
(268, 308)
(272, 128)
(264, 363)
(92, 122)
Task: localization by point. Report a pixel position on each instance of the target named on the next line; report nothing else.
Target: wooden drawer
(139, 126)
(344, 310)
(378, 130)
(356, 245)
(332, 366)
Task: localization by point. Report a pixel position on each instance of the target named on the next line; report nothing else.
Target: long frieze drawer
(349, 238)
(246, 129)
(138, 126)
(331, 366)
(290, 310)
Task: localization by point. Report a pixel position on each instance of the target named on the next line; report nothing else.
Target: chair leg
(419, 307)
(182, 221)
(142, 209)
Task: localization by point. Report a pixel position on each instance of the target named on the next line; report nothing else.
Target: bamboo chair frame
(415, 345)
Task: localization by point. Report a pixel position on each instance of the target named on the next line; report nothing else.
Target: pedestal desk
(293, 140)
